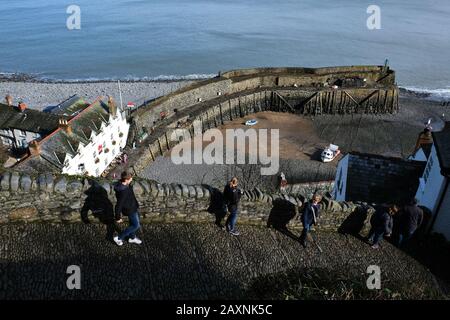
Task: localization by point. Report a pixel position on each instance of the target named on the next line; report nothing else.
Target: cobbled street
(176, 261)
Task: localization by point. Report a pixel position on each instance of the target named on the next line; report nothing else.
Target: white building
(433, 192)
(20, 125)
(85, 144)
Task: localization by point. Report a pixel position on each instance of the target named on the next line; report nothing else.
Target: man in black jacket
(309, 217)
(97, 201)
(127, 205)
(410, 220)
(232, 196)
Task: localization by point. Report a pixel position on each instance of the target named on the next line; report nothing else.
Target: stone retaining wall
(59, 199)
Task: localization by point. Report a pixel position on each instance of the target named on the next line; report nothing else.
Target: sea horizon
(174, 40)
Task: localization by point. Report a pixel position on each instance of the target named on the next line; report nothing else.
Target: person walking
(232, 196)
(411, 217)
(382, 223)
(101, 207)
(127, 205)
(309, 217)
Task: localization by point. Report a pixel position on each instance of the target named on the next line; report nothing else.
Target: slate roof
(28, 120)
(442, 144)
(69, 108)
(426, 148)
(379, 179)
(53, 148)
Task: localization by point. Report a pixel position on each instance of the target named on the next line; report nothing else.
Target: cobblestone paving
(175, 261)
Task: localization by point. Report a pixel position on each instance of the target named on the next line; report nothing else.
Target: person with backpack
(309, 217)
(127, 205)
(232, 196)
(101, 207)
(382, 223)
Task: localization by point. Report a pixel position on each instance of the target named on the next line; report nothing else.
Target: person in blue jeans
(309, 217)
(382, 223)
(127, 205)
(232, 196)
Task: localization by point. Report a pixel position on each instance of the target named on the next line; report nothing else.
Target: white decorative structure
(84, 145)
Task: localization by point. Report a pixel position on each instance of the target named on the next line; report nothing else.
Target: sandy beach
(39, 95)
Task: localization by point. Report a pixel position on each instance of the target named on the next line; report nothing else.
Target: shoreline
(30, 78)
(40, 95)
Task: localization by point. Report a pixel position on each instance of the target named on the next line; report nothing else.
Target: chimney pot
(63, 124)
(22, 106)
(9, 100)
(112, 106)
(34, 148)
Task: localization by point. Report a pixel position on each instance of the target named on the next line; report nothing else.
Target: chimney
(9, 100)
(34, 148)
(63, 124)
(22, 106)
(112, 106)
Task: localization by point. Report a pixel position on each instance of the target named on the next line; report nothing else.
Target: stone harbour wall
(57, 199)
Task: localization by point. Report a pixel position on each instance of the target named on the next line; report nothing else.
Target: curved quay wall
(236, 81)
(235, 94)
(58, 199)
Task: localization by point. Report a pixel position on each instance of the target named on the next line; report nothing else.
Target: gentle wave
(431, 94)
(161, 78)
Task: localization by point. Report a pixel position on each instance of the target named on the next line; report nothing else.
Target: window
(23, 133)
(95, 154)
(113, 152)
(427, 171)
(112, 136)
(106, 162)
(97, 172)
(81, 167)
(340, 183)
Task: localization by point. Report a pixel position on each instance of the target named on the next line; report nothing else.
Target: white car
(330, 153)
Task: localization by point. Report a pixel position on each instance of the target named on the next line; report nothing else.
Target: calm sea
(166, 39)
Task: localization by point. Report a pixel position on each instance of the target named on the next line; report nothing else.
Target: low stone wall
(59, 199)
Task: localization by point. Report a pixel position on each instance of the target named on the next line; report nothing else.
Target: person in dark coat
(232, 196)
(411, 217)
(309, 217)
(98, 203)
(127, 205)
(382, 223)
